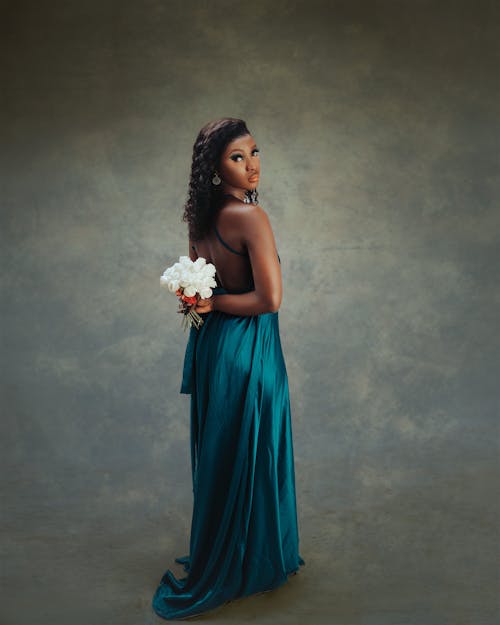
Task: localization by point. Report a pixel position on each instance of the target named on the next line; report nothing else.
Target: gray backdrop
(378, 124)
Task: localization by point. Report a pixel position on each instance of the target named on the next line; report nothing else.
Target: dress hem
(239, 598)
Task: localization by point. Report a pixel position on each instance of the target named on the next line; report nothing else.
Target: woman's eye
(234, 157)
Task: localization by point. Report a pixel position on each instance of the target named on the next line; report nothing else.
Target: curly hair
(203, 197)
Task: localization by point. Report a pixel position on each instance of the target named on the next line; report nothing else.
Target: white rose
(206, 292)
(210, 269)
(198, 263)
(173, 285)
(209, 281)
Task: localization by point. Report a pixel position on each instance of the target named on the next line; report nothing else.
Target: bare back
(224, 247)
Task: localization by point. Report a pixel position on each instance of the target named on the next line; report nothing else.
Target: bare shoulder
(250, 213)
(243, 215)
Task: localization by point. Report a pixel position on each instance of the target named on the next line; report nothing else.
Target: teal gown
(244, 532)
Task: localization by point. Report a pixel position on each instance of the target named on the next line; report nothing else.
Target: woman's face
(239, 165)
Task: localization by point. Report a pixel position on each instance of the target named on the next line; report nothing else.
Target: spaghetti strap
(231, 249)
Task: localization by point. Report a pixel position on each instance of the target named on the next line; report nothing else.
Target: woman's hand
(205, 305)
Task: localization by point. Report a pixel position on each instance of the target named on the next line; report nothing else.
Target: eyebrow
(240, 150)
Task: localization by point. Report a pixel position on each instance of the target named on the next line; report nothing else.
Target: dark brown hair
(203, 196)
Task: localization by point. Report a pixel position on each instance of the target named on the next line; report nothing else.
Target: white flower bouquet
(190, 281)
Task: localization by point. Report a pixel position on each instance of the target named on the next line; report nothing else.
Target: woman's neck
(233, 196)
(239, 194)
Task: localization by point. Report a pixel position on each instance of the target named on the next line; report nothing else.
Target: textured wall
(378, 124)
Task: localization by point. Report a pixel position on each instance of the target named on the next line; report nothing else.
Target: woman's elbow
(273, 303)
(269, 299)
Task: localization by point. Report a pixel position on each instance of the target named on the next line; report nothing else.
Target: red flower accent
(190, 299)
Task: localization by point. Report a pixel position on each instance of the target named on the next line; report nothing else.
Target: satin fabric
(244, 532)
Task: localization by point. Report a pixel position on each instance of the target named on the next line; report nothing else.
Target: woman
(244, 533)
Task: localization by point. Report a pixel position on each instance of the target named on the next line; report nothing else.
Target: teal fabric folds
(244, 533)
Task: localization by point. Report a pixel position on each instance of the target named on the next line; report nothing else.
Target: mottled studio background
(378, 123)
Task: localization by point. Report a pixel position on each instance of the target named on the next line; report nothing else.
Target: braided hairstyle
(204, 197)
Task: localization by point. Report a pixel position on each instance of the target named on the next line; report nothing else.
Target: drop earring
(216, 180)
(251, 196)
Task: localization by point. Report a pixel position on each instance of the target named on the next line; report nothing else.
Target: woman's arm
(259, 239)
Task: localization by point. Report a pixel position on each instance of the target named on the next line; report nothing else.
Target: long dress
(244, 532)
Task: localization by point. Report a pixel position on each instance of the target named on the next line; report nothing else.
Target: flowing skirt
(244, 532)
